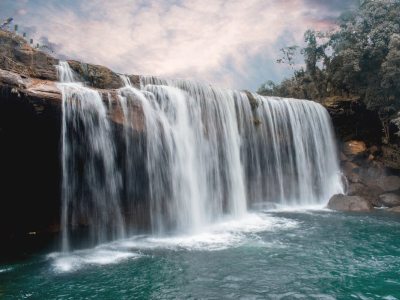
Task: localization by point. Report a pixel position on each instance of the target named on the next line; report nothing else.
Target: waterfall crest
(206, 153)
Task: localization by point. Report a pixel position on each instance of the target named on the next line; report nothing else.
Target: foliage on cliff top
(359, 59)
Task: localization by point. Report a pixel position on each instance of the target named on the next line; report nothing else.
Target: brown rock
(348, 167)
(17, 56)
(97, 76)
(253, 101)
(389, 184)
(390, 199)
(391, 157)
(395, 209)
(135, 80)
(349, 203)
(355, 178)
(355, 189)
(343, 157)
(354, 147)
(371, 193)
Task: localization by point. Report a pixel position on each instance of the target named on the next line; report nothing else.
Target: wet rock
(135, 80)
(253, 101)
(349, 203)
(354, 147)
(395, 209)
(390, 199)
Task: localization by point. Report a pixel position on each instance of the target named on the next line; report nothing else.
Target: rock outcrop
(349, 203)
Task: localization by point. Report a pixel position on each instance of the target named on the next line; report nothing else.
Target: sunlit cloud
(228, 43)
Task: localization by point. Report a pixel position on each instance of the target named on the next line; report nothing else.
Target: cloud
(228, 43)
(21, 12)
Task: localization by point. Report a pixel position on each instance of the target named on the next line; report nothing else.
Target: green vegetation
(359, 59)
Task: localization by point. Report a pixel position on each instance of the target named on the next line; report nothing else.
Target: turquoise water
(303, 254)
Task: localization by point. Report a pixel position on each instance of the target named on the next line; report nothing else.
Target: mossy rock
(391, 157)
(98, 76)
(253, 101)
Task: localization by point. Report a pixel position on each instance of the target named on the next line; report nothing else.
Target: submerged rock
(349, 203)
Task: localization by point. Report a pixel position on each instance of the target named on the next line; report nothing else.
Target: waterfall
(91, 179)
(204, 152)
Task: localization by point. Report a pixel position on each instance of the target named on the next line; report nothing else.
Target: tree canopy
(359, 59)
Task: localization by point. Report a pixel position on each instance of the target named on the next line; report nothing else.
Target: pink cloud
(191, 40)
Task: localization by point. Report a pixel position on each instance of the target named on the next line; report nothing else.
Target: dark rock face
(390, 199)
(30, 126)
(30, 135)
(349, 203)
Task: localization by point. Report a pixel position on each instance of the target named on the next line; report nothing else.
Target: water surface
(282, 254)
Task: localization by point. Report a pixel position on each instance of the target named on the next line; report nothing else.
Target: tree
(364, 64)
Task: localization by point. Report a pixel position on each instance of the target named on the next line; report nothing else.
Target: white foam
(225, 234)
(274, 207)
(228, 233)
(5, 270)
(66, 262)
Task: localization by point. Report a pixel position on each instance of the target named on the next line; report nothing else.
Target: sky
(228, 43)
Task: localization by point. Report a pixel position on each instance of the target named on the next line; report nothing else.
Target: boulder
(342, 157)
(371, 192)
(354, 147)
(389, 184)
(390, 199)
(372, 170)
(395, 209)
(355, 178)
(355, 189)
(349, 167)
(349, 203)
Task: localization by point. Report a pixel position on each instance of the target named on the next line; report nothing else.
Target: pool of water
(281, 254)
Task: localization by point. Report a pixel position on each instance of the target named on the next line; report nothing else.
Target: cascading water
(203, 155)
(91, 180)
